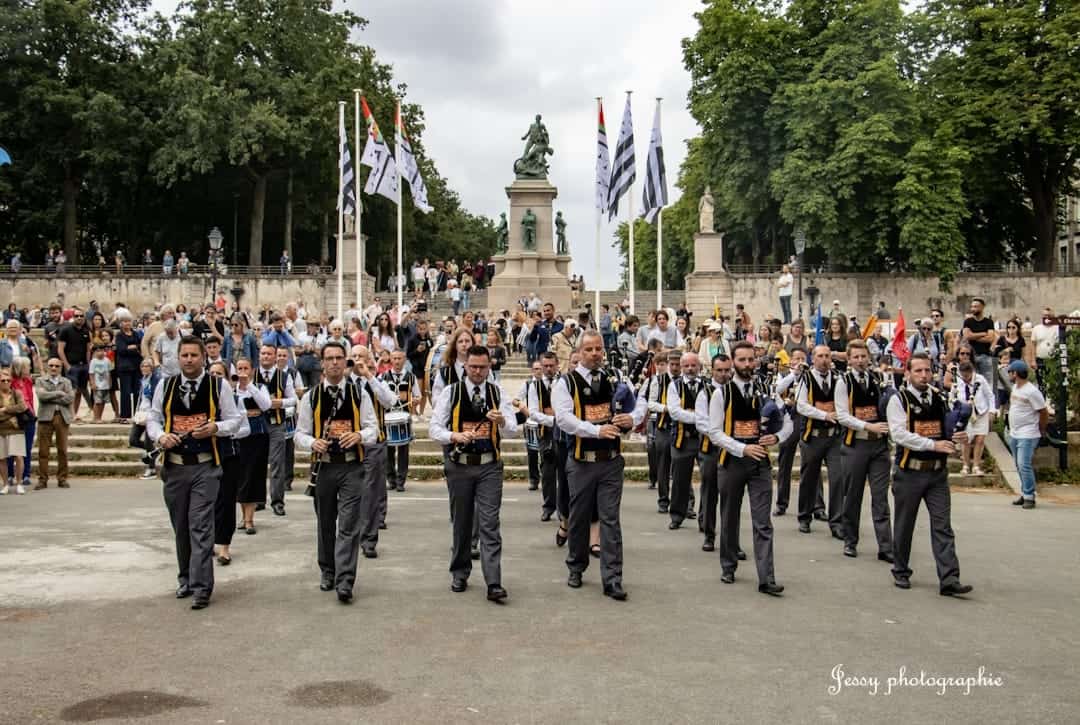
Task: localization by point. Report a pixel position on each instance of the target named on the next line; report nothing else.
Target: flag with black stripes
(383, 178)
(623, 170)
(407, 162)
(654, 197)
(347, 192)
(603, 161)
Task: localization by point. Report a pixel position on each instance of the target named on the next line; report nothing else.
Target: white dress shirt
(227, 426)
(716, 421)
(701, 407)
(564, 408)
(674, 403)
(981, 399)
(440, 417)
(305, 422)
(898, 423)
(652, 393)
(532, 400)
(265, 376)
(802, 402)
(843, 411)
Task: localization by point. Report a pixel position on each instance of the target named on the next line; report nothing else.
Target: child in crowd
(498, 353)
(101, 380)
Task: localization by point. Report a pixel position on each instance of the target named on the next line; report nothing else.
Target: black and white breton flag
(347, 192)
(623, 171)
(654, 197)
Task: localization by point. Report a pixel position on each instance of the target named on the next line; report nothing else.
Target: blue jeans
(785, 308)
(1023, 450)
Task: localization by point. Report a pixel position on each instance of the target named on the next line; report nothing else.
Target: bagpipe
(641, 364)
(316, 459)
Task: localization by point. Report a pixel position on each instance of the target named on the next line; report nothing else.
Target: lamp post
(215, 239)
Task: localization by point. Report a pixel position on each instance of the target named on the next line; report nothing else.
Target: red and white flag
(899, 345)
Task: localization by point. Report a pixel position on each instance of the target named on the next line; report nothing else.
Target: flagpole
(359, 206)
(630, 217)
(399, 130)
(659, 237)
(596, 263)
(341, 214)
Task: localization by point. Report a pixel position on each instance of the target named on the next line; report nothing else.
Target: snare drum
(398, 428)
(532, 435)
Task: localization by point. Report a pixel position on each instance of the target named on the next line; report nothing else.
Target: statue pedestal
(348, 267)
(520, 271)
(709, 285)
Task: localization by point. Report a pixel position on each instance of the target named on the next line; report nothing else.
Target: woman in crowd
(382, 335)
(354, 332)
(517, 322)
(23, 382)
(498, 353)
(452, 366)
(713, 344)
(796, 338)
(12, 437)
(232, 473)
(148, 381)
(683, 338)
(1012, 342)
(239, 342)
(182, 312)
(254, 449)
(128, 361)
(836, 339)
(12, 312)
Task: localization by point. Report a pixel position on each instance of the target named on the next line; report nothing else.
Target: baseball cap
(1018, 366)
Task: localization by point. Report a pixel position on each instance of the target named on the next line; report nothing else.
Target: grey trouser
(339, 497)
(814, 452)
(662, 454)
(601, 481)
(859, 461)
(547, 476)
(710, 494)
(373, 511)
(397, 466)
(476, 496)
(190, 493)
(278, 462)
(910, 488)
(682, 472)
(786, 461)
(738, 476)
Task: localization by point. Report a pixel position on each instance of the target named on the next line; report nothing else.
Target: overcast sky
(481, 69)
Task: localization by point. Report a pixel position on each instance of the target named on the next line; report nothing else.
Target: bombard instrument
(316, 459)
(640, 365)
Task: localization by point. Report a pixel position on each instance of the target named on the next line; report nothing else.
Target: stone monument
(526, 260)
(709, 285)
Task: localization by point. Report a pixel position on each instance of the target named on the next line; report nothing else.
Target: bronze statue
(533, 161)
(528, 227)
(560, 234)
(502, 241)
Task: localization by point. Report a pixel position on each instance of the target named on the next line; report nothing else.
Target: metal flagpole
(630, 217)
(340, 213)
(401, 181)
(359, 206)
(596, 264)
(659, 238)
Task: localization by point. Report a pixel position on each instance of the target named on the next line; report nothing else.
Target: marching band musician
(407, 389)
(382, 397)
(253, 401)
(585, 408)
(290, 414)
(682, 394)
(917, 424)
(187, 414)
(786, 388)
(819, 442)
(522, 398)
(864, 450)
(538, 400)
(452, 368)
(232, 473)
(710, 492)
(471, 416)
(744, 465)
(282, 396)
(656, 391)
(336, 420)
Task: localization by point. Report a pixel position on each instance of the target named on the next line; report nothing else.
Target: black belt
(347, 457)
(473, 459)
(188, 459)
(924, 466)
(609, 454)
(819, 432)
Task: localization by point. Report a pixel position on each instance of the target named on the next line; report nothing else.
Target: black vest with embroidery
(742, 417)
(594, 407)
(464, 416)
(663, 420)
(819, 397)
(276, 388)
(345, 419)
(402, 388)
(925, 420)
(686, 434)
(180, 418)
(862, 402)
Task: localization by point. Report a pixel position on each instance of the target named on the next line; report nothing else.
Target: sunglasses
(964, 354)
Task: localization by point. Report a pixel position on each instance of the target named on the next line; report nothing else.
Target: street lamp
(215, 240)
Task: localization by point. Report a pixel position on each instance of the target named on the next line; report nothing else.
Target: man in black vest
(335, 420)
(656, 392)
(538, 401)
(744, 466)
(710, 492)
(583, 400)
(373, 517)
(471, 416)
(404, 385)
(820, 442)
(864, 450)
(917, 424)
(282, 396)
(189, 411)
(682, 397)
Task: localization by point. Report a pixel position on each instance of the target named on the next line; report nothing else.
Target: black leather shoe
(850, 551)
(574, 580)
(728, 577)
(545, 516)
(675, 525)
(288, 487)
(902, 582)
(260, 507)
(779, 511)
(474, 554)
(661, 509)
(804, 527)
(740, 555)
(183, 591)
(560, 540)
(837, 534)
(371, 554)
(883, 556)
(533, 486)
(344, 596)
(401, 488)
(200, 603)
(709, 545)
(771, 588)
(651, 487)
(382, 526)
(459, 585)
(956, 589)
(326, 582)
(1029, 503)
(820, 516)
(496, 594)
(279, 508)
(1018, 501)
(615, 591)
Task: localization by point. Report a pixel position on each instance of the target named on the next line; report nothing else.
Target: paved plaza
(91, 630)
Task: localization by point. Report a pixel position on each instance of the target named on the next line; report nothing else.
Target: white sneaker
(965, 471)
(976, 471)
(5, 490)
(20, 489)
(148, 474)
